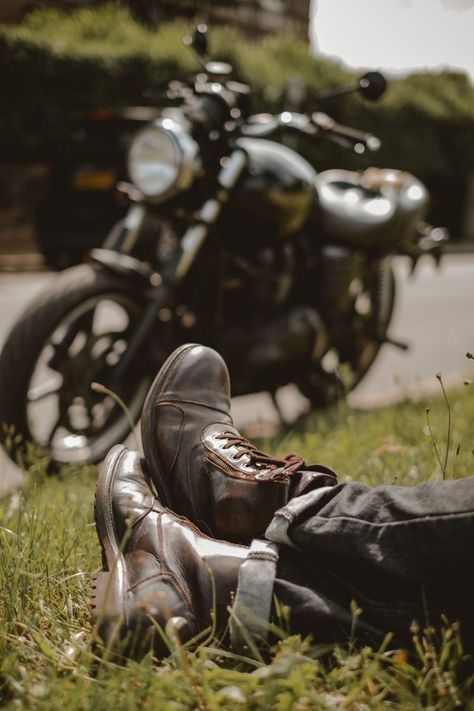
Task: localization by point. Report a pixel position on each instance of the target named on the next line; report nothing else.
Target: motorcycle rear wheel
(363, 328)
(71, 336)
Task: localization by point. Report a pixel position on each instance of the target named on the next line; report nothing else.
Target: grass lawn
(48, 551)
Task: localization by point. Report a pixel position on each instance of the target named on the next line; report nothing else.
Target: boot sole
(156, 467)
(108, 597)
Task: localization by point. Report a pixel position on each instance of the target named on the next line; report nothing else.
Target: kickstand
(277, 407)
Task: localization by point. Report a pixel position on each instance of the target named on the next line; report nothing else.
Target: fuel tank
(274, 197)
(378, 209)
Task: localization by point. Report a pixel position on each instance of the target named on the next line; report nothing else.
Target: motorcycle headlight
(162, 159)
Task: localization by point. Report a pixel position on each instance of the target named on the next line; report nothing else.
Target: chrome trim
(133, 223)
(232, 171)
(210, 211)
(186, 150)
(190, 245)
(195, 236)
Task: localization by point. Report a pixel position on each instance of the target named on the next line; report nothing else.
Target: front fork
(179, 265)
(124, 236)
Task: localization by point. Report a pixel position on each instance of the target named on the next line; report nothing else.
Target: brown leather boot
(156, 566)
(200, 464)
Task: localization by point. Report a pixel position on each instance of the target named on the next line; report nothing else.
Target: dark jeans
(400, 553)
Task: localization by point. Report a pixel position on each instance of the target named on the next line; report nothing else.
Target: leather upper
(194, 453)
(171, 568)
(130, 492)
(199, 376)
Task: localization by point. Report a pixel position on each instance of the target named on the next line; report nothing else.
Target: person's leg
(399, 552)
(165, 567)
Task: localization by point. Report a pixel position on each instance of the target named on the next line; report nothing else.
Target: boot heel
(107, 608)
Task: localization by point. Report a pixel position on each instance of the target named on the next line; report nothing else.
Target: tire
(359, 337)
(73, 334)
(58, 261)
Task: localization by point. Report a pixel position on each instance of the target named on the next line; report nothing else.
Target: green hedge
(55, 67)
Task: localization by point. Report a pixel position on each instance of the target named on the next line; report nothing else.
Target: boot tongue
(291, 468)
(310, 477)
(272, 468)
(282, 470)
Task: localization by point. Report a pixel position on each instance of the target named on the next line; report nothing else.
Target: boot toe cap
(199, 375)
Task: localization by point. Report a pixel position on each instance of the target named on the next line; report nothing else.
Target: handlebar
(317, 125)
(359, 141)
(209, 104)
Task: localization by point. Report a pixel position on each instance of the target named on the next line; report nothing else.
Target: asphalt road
(434, 313)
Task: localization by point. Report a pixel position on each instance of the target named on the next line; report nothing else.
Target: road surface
(434, 313)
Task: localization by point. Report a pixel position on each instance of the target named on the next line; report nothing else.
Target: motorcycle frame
(116, 256)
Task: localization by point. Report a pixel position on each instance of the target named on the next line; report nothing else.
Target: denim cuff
(277, 531)
(250, 613)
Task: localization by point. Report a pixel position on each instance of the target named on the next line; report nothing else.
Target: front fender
(124, 264)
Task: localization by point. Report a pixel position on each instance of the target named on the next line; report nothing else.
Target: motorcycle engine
(281, 338)
(259, 281)
(268, 358)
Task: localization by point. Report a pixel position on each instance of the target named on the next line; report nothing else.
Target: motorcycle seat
(361, 209)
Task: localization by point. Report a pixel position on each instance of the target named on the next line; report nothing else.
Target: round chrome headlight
(162, 159)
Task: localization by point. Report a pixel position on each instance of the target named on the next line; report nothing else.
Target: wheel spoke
(84, 338)
(82, 324)
(39, 392)
(54, 429)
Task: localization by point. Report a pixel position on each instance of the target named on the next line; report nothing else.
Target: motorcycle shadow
(271, 435)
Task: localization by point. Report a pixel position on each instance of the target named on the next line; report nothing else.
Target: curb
(427, 387)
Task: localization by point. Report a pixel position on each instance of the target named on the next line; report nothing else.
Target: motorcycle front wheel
(72, 336)
(357, 340)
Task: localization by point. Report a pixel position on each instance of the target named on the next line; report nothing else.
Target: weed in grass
(99, 388)
(443, 464)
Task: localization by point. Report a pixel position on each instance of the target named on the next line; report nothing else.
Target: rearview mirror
(372, 85)
(199, 40)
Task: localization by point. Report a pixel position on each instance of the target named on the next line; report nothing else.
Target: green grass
(48, 551)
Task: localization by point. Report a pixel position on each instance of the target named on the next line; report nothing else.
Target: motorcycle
(231, 239)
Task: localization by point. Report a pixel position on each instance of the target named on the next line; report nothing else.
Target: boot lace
(273, 468)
